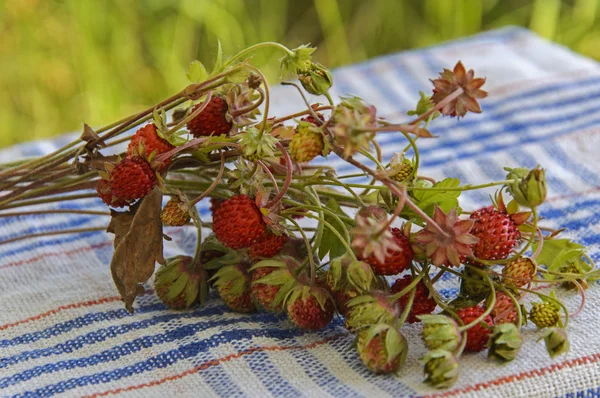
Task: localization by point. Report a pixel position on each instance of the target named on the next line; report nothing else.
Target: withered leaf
(89, 136)
(138, 245)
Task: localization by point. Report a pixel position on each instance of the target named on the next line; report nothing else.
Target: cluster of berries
(292, 236)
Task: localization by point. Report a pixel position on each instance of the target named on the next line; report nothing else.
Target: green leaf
(557, 253)
(426, 200)
(177, 139)
(330, 243)
(196, 72)
(219, 61)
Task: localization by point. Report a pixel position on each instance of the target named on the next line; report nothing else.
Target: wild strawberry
(498, 234)
(233, 285)
(519, 272)
(544, 315)
(382, 349)
(369, 309)
(132, 179)
(346, 278)
(306, 144)
(423, 302)
(478, 335)
(238, 223)
(147, 138)
(105, 193)
(396, 261)
(212, 120)
(175, 213)
(401, 172)
(504, 310)
(573, 268)
(267, 245)
(310, 307)
(271, 281)
(179, 285)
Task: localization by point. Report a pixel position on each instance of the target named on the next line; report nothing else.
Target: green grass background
(64, 62)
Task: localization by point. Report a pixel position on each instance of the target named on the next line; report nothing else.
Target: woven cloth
(63, 330)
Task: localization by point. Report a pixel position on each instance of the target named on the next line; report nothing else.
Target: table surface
(64, 331)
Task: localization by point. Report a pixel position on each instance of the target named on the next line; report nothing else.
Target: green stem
(462, 188)
(407, 289)
(255, 47)
(311, 255)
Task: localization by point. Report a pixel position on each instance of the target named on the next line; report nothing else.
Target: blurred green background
(63, 62)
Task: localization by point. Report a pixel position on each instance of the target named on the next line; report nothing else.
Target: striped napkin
(63, 330)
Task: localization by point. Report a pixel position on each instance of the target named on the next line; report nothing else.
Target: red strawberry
(423, 302)
(238, 223)
(310, 307)
(233, 285)
(105, 193)
(498, 234)
(212, 120)
(264, 294)
(131, 179)
(395, 262)
(151, 142)
(267, 245)
(478, 335)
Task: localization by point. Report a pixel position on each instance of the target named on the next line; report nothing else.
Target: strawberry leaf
(196, 72)
(557, 253)
(427, 199)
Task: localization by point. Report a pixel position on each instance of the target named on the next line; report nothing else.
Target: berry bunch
(289, 236)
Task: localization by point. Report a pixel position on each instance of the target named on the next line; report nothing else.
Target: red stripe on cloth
(589, 359)
(56, 254)
(573, 195)
(89, 303)
(212, 363)
(68, 253)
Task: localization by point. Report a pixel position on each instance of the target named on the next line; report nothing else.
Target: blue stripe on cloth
(118, 352)
(218, 379)
(572, 164)
(589, 393)
(321, 376)
(50, 242)
(270, 376)
(162, 360)
(73, 222)
(497, 147)
(81, 321)
(502, 119)
(103, 334)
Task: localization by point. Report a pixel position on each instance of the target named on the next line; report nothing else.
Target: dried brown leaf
(90, 136)
(138, 245)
